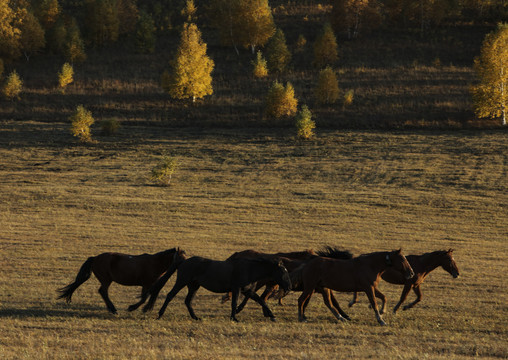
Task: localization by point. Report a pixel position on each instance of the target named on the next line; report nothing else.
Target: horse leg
(175, 290)
(371, 295)
(403, 296)
(354, 300)
(225, 298)
(418, 293)
(103, 290)
(381, 296)
(326, 298)
(144, 296)
(242, 304)
(266, 310)
(234, 300)
(337, 306)
(303, 301)
(188, 300)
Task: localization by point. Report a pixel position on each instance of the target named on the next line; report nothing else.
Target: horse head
(448, 263)
(400, 263)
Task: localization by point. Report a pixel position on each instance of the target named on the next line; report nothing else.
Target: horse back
(129, 270)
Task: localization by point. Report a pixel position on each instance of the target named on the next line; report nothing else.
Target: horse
(235, 275)
(292, 261)
(422, 265)
(129, 270)
(357, 274)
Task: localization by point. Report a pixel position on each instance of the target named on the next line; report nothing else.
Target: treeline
(68, 27)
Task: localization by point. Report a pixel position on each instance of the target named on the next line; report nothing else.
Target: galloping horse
(234, 275)
(422, 265)
(358, 274)
(129, 270)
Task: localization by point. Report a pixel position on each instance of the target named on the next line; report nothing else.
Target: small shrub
(65, 76)
(300, 43)
(109, 126)
(13, 86)
(163, 171)
(348, 98)
(81, 121)
(304, 124)
(260, 70)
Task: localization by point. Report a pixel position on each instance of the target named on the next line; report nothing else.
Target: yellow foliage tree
(74, 47)
(13, 86)
(32, 35)
(281, 101)
(490, 95)
(255, 22)
(190, 75)
(327, 89)
(48, 12)
(65, 76)
(81, 121)
(304, 124)
(260, 70)
(9, 31)
(325, 47)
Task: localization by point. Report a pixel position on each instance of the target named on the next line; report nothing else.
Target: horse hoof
(382, 323)
(273, 319)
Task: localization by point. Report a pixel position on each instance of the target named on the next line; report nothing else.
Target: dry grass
(365, 191)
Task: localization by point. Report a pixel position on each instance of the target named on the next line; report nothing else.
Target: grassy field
(61, 202)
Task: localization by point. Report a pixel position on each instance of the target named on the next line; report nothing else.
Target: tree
(32, 35)
(260, 70)
(281, 101)
(102, 22)
(278, 55)
(81, 121)
(245, 22)
(65, 76)
(327, 89)
(352, 16)
(144, 37)
(304, 124)
(325, 47)
(13, 86)
(48, 12)
(190, 75)
(189, 11)
(74, 47)
(10, 32)
(490, 95)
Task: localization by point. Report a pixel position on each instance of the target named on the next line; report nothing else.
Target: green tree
(74, 47)
(65, 76)
(281, 101)
(327, 89)
(13, 86)
(32, 35)
(304, 124)
(190, 75)
(144, 37)
(490, 95)
(278, 55)
(102, 22)
(325, 47)
(260, 70)
(163, 171)
(81, 121)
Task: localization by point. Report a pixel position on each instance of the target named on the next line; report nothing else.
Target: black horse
(232, 275)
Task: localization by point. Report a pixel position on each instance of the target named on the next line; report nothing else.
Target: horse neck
(376, 261)
(164, 258)
(429, 261)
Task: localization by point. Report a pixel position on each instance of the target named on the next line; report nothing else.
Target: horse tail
(83, 275)
(159, 284)
(335, 253)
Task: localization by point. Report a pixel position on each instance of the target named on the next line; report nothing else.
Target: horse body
(358, 274)
(128, 270)
(422, 265)
(232, 275)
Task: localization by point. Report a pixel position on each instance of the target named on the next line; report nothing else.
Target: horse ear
(450, 250)
(399, 251)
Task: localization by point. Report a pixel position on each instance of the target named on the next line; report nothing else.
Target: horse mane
(335, 253)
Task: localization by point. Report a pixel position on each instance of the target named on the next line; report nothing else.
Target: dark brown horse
(129, 270)
(235, 275)
(422, 265)
(358, 274)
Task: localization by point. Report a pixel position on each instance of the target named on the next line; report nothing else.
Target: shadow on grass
(92, 312)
